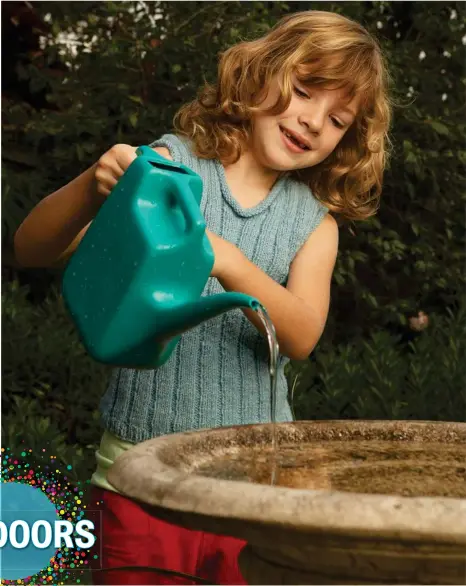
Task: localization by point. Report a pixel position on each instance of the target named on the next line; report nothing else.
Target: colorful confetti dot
(68, 564)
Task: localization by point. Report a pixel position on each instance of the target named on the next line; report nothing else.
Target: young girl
(295, 126)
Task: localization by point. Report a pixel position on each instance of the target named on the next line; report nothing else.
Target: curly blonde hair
(321, 49)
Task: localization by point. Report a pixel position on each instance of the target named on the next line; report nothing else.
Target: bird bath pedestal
(355, 502)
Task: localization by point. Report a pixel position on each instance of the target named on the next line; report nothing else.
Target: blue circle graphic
(20, 501)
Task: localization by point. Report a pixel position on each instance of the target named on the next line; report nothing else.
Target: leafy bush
(384, 378)
(51, 387)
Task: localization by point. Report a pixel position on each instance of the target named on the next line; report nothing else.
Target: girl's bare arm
(54, 228)
(299, 310)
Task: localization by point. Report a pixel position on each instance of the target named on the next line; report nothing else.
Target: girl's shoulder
(303, 197)
(181, 151)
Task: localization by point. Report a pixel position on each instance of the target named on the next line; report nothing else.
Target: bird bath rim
(160, 472)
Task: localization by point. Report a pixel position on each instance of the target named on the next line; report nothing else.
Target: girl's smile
(306, 133)
(295, 141)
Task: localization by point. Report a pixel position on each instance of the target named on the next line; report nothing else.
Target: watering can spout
(187, 316)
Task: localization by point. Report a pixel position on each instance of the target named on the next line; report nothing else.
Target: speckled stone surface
(356, 502)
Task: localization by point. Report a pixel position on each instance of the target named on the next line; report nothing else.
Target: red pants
(128, 535)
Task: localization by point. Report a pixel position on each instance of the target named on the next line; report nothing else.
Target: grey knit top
(218, 374)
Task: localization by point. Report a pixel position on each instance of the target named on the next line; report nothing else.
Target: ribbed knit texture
(218, 374)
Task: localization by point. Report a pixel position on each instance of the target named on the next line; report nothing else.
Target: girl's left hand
(224, 253)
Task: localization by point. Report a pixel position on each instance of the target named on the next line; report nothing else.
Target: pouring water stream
(273, 352)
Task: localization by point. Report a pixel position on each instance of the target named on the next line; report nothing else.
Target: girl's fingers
(106, 180)
(125, 156)
(102, 190)
(110, 161)
(112, 165)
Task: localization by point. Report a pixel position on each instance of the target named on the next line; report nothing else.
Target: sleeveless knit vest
(218, 374)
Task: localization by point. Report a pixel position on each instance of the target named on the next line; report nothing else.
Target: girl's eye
(300, 93)
(337, 123)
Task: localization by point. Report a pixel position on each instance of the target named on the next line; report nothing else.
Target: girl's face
(304, 134)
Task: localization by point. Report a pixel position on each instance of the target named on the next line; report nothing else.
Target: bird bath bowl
(355, 502)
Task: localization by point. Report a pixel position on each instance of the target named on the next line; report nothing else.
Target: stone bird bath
(355, 502)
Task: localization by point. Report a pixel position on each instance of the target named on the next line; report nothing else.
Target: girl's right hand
(111, 166)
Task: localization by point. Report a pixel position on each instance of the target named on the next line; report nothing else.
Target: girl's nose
(313, 119)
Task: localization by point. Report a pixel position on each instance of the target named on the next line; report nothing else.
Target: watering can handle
(195, 223)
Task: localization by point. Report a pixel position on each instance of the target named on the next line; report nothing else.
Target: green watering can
(134, 283)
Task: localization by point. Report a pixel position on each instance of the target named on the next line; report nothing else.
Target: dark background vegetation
(79, 77)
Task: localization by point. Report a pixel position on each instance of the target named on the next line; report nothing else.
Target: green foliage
(384, 378)
(131, 65)
(50, 387)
